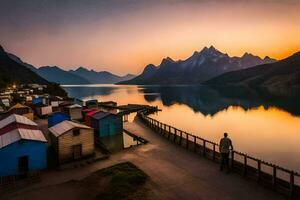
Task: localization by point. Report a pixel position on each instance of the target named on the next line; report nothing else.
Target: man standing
(224, 148)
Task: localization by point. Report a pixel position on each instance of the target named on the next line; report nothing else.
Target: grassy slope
(125, 180)
(121, 181)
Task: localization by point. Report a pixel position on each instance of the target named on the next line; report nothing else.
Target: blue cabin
(19, 155)
(56, 118)
(106, 124)
(37, 100)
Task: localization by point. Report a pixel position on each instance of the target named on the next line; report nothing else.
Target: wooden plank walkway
(208, 149)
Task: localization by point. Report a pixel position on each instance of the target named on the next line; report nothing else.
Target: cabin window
(76, 132)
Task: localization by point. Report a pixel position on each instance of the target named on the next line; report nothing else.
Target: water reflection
(206, 100)
(263, 123)
(119, 142)
(210, 101)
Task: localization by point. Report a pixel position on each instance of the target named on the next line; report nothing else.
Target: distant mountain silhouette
(200, 67)
(282, 73)
(78, 76)
(17, 59)
(12, 71)
(102, 77)
(52, 74)
(58, 75)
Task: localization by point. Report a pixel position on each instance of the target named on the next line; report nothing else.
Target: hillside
(57, 75)
(14, 72)
(200, 67)
(79, 76)
(102, 77)
(282, 73)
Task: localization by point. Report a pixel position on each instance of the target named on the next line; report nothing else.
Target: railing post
(153, 124)
(187, 140)
(214, 151)
(180, 139)
(195, 143)
(274, 179)
(232, 159)
(160, 128)
(258, 170)
(292, 184)
(245, 165)
(204, 147)
(175, 134)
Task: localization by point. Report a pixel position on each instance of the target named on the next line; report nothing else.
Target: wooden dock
(263, 172)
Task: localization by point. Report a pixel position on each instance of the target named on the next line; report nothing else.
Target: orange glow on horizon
(127, 40)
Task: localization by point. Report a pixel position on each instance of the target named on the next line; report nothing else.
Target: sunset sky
(122, 36)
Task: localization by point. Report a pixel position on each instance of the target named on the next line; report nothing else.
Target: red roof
(87, 110)
(91, 113)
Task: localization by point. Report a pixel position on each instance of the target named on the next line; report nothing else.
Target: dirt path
(175, 173)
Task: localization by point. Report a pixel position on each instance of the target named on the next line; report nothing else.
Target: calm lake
(261, 123)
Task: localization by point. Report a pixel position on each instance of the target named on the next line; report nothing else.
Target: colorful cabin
(79, 102)
(6, 100)
(37, 100)
(63, 105)
(43, 110)
(74, 111)
(55, 101)
(93, 103)
(57, 117)
(106, 124)
(72, 141)
(88, 117)
(23, 148)
(16, 121)
(85, 111)
(21, 110)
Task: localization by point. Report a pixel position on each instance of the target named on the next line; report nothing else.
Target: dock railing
(283, 180)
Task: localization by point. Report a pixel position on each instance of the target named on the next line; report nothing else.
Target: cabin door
(112, 129)
(23, 164)
(77, 151)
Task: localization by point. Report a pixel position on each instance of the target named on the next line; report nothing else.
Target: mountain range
(102, 77)
(79, 76)
(200, 67)
(284, 73)
(208, 66)
(14, 72)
